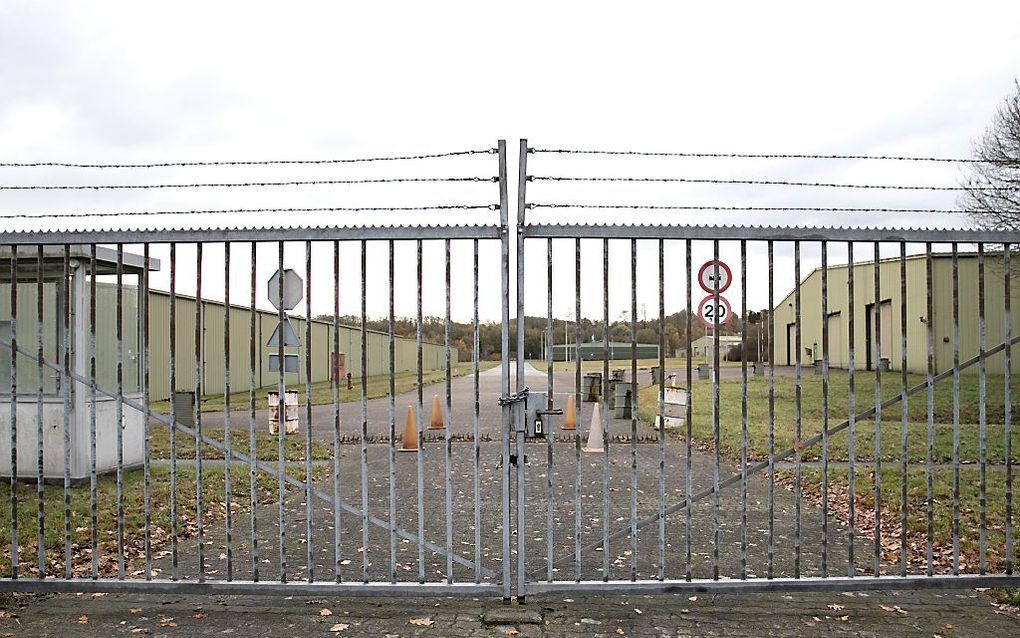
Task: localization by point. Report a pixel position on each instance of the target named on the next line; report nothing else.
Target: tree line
(673, 329)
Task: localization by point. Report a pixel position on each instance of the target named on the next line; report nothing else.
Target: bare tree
(993, 190)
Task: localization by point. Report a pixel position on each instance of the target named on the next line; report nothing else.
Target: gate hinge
(516, 397)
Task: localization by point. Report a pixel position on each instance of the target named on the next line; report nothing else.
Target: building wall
(593, 351)
(891, 302)
(433, 355)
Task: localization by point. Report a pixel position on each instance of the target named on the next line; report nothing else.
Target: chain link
(514, 397)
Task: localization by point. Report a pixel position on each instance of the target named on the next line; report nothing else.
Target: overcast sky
(130, 82)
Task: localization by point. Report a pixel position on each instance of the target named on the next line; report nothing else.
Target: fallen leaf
(83, 620)
(200, 615)
(692, 598)
(421, 622)
(835, 606)
(134, 611)
(340, 626)
(510, 631)
(325, 612)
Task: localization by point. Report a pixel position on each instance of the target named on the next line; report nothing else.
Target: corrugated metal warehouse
(433, 355)
(889, 313)
(593, 351)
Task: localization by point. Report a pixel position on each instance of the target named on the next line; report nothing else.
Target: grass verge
(213, 509)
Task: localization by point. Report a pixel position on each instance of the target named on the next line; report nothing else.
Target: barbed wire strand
(323, 209)
(812, 156)
(357, 160)
(315, 182)
(818, 209)
(765, 182)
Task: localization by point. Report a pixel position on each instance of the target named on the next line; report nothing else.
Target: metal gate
(714, 469)
(632, 454)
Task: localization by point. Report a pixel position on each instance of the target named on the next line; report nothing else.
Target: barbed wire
(356, 160)
(322, 209)
(314, 182)
(813, 156)
(764, 182)
(818, 209)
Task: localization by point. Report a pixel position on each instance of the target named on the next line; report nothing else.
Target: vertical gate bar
(743, 410)
(143, 311)
(252, 448)
(851, 369)
(309, 349)
(364, 411)
(903, 408)
(449, 426)
(504, 363)
(825, 409)
(522, 182)
(228, 455)
(15, 544)
(173, 412)
(119, 406)
(281, 414)
(661, 571)
(549, 405)
(65, 390)
(716, 437)
(40, 496)
(605, 415)
(982, 415)
(797, 402)
(93, 495)
(335, 383)
(199, 365)
(1007, 407)
(633, 411)
(772, 416)
(877, 361)
(577, 403)
(930, 404)
(419, 454)
(956, 410)
(393, 417)
(688, 461)
(476, 452)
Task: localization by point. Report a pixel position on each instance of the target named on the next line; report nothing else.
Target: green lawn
(838, 445)
(322, 391)
(811, 417)
(213, 506)
(265, 444)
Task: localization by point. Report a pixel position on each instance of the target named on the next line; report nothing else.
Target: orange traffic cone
(569, 416)
(595, 443)
(410, 440)
(436, 422)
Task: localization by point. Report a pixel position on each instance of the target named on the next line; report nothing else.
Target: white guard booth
(65, 403)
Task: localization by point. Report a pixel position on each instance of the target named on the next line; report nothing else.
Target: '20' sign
(714, 313)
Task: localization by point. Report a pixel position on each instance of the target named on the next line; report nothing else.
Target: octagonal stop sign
(292, 289)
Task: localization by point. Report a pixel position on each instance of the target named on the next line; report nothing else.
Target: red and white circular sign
(713, 314)
(714, 270)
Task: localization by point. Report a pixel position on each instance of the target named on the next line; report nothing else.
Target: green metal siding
(433, 355)
(916, 310)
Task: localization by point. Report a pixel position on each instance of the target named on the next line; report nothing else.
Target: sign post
(714, 276)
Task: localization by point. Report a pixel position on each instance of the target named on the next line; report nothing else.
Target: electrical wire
(317, 182)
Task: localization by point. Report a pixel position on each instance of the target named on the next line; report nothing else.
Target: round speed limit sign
(712, 314)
